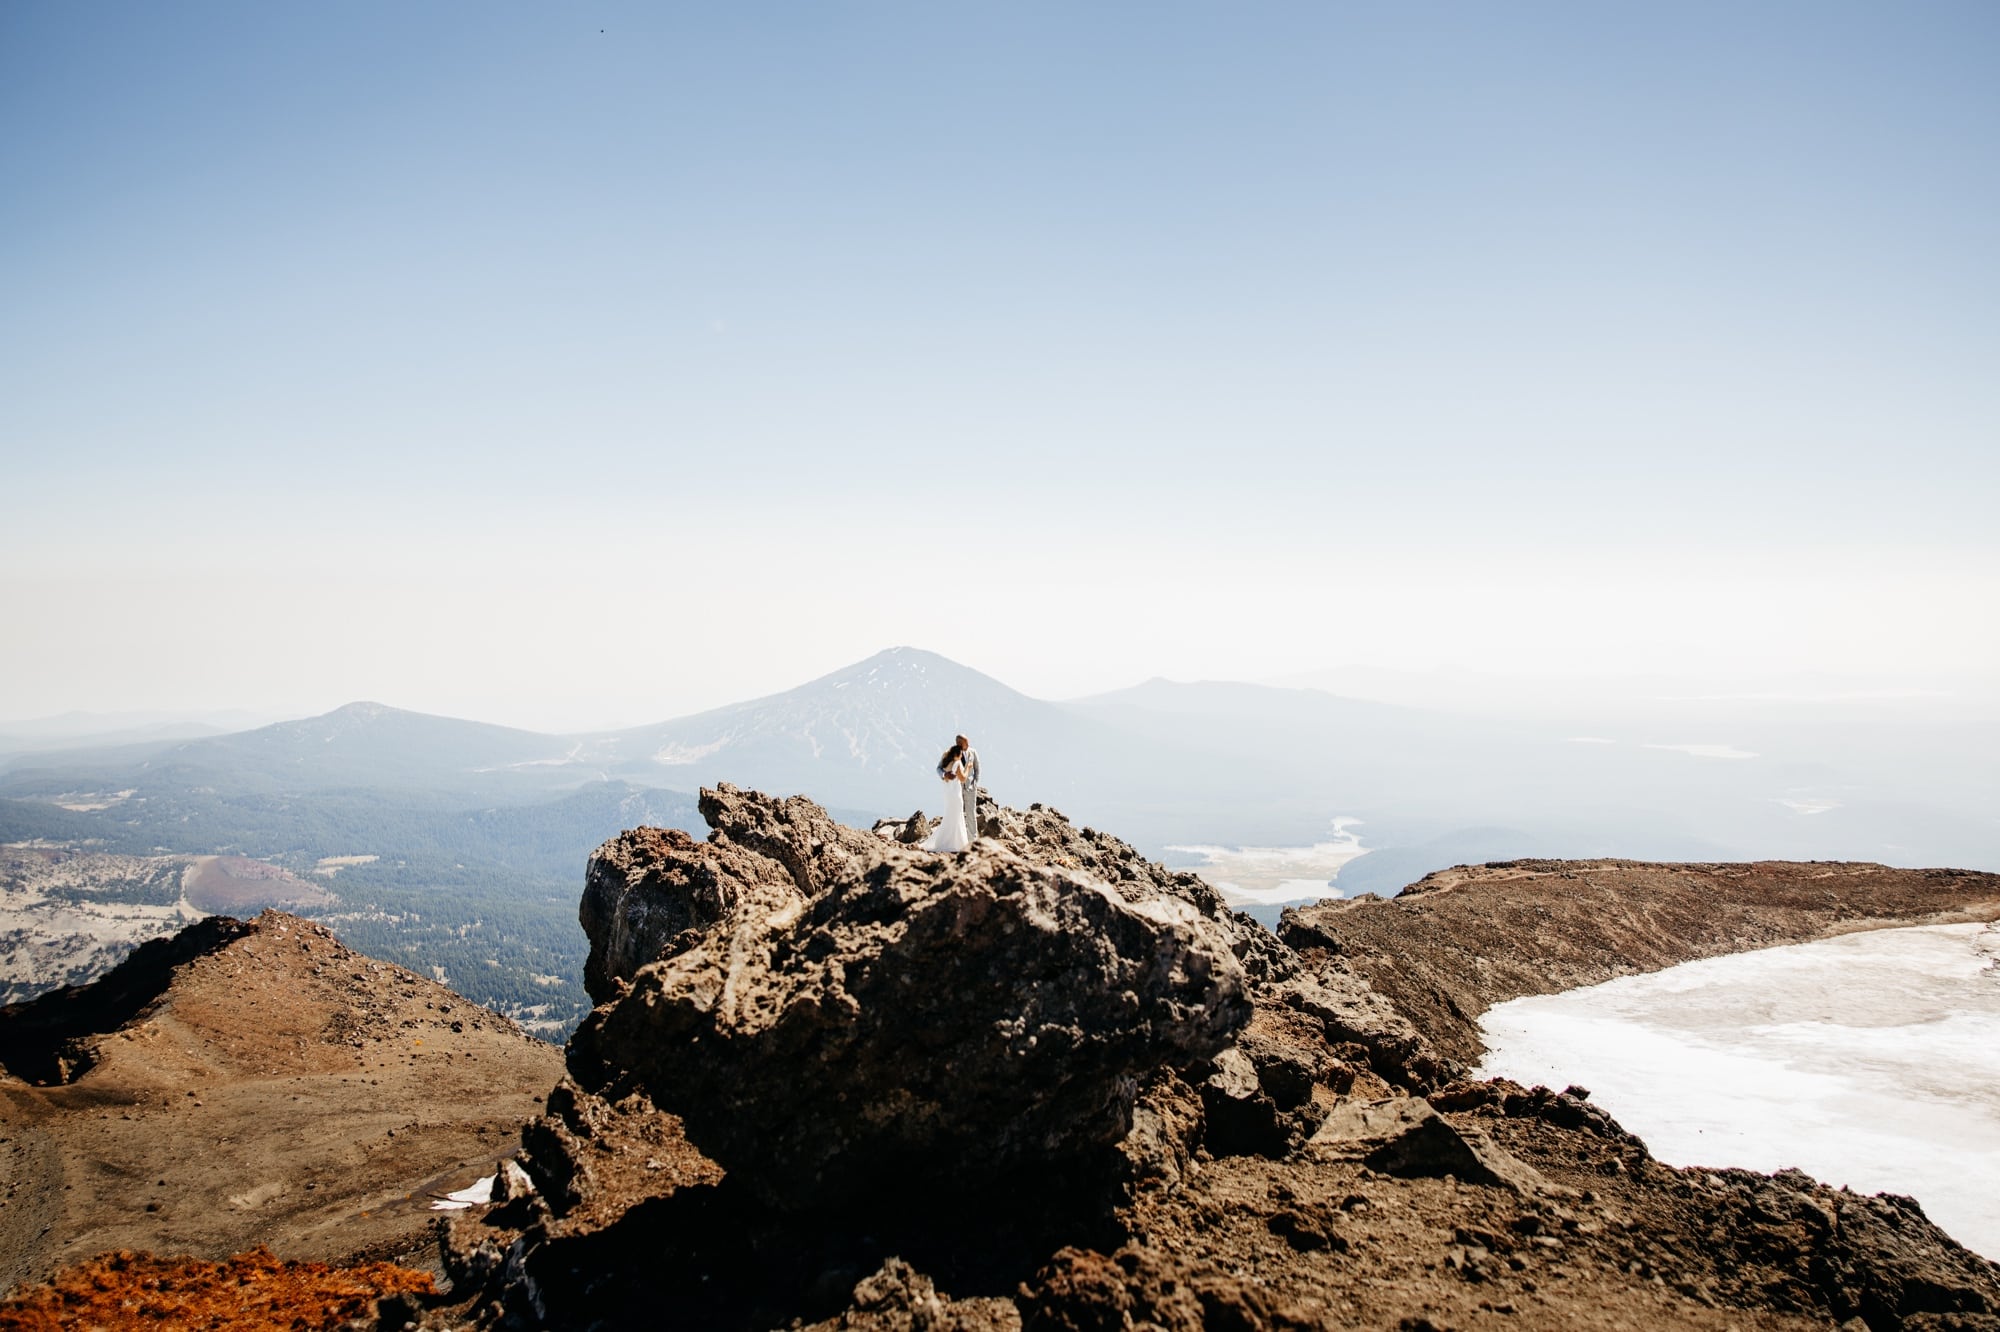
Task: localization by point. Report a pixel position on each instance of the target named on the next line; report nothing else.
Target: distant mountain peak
(362, 710)
(907, 659)
(903, 668)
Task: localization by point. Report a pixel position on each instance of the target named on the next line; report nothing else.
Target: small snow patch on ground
(472, 1195)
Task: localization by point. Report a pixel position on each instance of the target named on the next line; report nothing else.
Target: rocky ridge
(1462, 940)
(247, 1082)
(1254, 1134)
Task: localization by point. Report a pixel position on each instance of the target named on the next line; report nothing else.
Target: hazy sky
(572, 364)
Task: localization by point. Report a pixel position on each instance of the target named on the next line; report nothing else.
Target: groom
(970, 792)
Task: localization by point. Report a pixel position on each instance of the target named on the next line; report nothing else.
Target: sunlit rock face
(835, 1009)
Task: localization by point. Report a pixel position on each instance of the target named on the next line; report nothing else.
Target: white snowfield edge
(1871, 1060)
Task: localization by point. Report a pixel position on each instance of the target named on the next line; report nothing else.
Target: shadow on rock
(713, 1256)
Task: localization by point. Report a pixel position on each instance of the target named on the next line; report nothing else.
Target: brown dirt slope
(1461, 940)
(249, 1083)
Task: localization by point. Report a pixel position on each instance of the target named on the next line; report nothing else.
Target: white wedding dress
(950, 834)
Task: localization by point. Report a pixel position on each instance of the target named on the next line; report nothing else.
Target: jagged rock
(1406, 1136)
(866, 1011)
(1168, 1124)
(587, 1154)
(898, 1298)
(647, 888)
(908, 831)
(1569, 1108)
(511, 1183)
(900, 1289)
(1234, 1078)
(1876, 1260)
(1359, 1127)
(1241, 1120)
(1045, 834)
(844, 1022)
(469, 1253)
(1350, 1011)
(1242, 1116)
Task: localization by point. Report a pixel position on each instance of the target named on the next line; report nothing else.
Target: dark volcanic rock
(1406, 1136)
(837, 1011)
(1046, 835)
(1351, 1012)
(908, 831)
(840, 1082)
(647, 888)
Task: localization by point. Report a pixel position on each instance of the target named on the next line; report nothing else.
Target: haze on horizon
(584, 366)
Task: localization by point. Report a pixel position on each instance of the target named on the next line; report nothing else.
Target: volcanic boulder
(836, 1012)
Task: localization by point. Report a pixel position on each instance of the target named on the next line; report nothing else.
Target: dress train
(950, 834)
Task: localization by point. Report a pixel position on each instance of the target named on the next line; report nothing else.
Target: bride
(951, 832)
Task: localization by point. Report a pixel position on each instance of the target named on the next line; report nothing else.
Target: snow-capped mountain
(865, 735)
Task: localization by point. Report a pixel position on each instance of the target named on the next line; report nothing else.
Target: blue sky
(412, 344)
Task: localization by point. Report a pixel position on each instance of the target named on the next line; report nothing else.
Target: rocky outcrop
(1406, 1136)
(836, 1081)
(834, 1010)
(1121, 1105)
(649, 891)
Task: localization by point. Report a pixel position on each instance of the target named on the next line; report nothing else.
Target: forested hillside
(483, 899)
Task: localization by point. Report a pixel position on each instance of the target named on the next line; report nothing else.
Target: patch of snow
(677, 755)
(472, 1195)
(1871, 1060)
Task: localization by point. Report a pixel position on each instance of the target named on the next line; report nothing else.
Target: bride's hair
(951, 753)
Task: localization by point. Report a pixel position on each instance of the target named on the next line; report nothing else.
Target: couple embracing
(959, 769)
